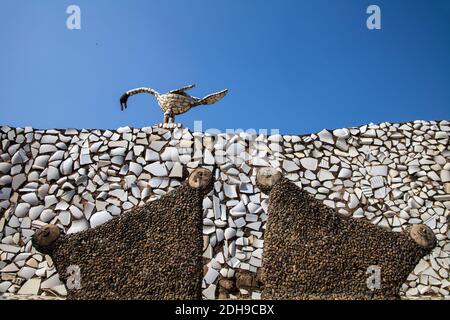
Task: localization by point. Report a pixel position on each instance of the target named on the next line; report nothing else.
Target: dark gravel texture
(151, 252)
(311, 252)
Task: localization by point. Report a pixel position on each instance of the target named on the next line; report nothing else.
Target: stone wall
(393, 175)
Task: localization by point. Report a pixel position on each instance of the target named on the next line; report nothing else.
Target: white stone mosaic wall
(391, 174)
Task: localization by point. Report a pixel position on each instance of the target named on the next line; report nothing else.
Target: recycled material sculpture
(174, 102)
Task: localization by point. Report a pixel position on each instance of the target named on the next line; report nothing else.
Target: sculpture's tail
(213, 98)
(126, 95)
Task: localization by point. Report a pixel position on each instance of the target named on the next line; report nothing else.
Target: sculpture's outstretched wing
(213, 98)
(182, 89)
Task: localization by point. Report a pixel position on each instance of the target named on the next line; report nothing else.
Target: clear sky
(298, 66)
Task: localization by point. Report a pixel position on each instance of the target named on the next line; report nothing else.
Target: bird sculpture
(174, 102)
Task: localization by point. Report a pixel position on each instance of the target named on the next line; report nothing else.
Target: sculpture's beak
(123, 101)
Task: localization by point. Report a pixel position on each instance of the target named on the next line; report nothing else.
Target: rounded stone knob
(422, 235)
(44, 238)
(200, 178)
(267, 177)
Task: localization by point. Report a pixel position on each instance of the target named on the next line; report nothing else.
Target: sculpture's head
(123, 101)
(201, 179)
(266, 178)
(45, 238)
(422, 235)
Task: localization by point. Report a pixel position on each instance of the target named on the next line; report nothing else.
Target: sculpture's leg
(169, 118)
(166, 117)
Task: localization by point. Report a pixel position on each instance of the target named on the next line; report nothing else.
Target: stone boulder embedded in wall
(150, 252)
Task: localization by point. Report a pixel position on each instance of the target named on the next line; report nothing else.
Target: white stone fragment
(26, 272)
(18, 180)
(157, 169)
(151, 155)
(64, 218)
(67, 166)
(290, 166)
(230, 190)
(35, 212)
(230, 233)
(326, 136)
(235, 149)
(51, 282)
(177, 170)
(9, 248)
(22, 210)
(240, 222)
(414, 203)
(211, 275)
(208, 158)
(345, 173)
(210, 292)
(342, 133)
(135, 168)
(238, 210)
(376, 182)
(324, 175)
(30, 198)
(78, 226)
(309, 163)
(47, 215)
(445, 176)
(5, 167)
(85, 157)
(31, 287)
(378, 170)
(256, 295)
(420, 267)
(380, 193)
(100, 218)
(4, 286)
(52, 173)
(157, 145)
(170, 154)
(76, 212)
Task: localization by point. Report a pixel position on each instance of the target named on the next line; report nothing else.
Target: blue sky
(298, 66)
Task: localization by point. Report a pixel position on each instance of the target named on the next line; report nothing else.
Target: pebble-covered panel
(393, 175)
(327, 256)
(151, 252)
